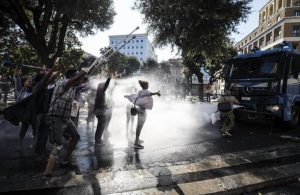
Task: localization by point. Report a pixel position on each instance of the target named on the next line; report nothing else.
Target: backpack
(42, 101)
(224, 106)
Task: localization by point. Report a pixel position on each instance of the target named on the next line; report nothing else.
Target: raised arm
(155, 93)
(76, 79)
(106, 84)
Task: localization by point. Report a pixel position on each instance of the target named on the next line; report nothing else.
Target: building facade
(140, 47)
(279, 20)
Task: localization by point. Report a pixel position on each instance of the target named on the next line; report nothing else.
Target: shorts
(60, 128)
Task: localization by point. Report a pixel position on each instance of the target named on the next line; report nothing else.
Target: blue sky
(127, 19)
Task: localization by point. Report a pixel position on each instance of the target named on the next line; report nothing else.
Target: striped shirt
(61, 101)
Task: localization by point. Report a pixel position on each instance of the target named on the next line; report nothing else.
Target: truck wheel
(295, 118)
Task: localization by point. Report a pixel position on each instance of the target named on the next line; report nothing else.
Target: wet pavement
(175, 133)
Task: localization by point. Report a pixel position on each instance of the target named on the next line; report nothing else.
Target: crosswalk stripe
(237, 183)
(150, 178)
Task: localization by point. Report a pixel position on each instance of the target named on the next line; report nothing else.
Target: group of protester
(50, 105)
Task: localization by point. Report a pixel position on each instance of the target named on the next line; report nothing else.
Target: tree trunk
(200, 88)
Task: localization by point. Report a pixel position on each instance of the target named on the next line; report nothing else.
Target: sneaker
(46, 177)
(138, 146)
(67, 164)
(141, 141)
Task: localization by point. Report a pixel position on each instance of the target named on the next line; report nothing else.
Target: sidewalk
(230, 173)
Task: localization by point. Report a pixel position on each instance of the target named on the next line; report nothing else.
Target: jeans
(104, 117)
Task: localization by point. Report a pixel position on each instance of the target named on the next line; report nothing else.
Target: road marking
(150, 178)
(233, 184)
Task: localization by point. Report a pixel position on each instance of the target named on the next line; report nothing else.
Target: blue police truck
(267, 85)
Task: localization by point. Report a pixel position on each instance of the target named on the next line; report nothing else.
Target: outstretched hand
(158, 93)
(57, 66)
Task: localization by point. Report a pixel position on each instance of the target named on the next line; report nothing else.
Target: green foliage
(165, 67)
(133, 65)
(150, 65)
(200, 29)
(215, 66)
(50, 27)
(118, 62)
(72, 58)
(193, 25)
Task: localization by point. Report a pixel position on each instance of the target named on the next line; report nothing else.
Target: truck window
(255, 68)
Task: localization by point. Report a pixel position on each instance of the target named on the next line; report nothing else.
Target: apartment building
(140, 47)
(279, 20)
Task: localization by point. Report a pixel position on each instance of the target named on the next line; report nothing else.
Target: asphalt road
(175, 132)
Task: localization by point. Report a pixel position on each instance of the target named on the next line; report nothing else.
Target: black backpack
(42, 101)
(224, 106)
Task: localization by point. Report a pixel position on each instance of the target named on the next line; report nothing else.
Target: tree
(72, 58)
(165, 67)
(116, 62)
(150, 65)
(133, 65)
(198, 28)
(215, 66)
(50, 26)
(193, 25)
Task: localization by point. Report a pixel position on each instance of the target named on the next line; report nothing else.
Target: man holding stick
(59, 115)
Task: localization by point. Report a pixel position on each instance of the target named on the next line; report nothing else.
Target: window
(277, 33)
(136, 53)
(297, 13)
(279, 4)
(132, 47)
(268, 38)
(271, 10)
(261, 41)
(112, 42)
(255, 44)
(142, 40)
(141, 59)
(296, 30)
(296, 3)
(263, 16)
(137, 41)
(137, 47)
(141, 47)
(132, 41)
(132, 53)
(128, 47)
(141, 53)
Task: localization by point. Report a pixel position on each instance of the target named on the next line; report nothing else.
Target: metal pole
(121, 41)
(105, 59)
(103, 56)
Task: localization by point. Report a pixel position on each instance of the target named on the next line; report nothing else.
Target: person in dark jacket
(23, 87)
(103, 112)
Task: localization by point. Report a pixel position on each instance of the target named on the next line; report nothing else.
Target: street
(183, 154)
